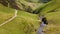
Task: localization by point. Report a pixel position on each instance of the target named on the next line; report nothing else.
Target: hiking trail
(15, 15)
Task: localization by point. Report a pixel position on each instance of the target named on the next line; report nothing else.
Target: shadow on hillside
(14, 5)
(10, 3)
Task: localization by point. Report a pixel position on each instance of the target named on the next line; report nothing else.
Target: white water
(41, 28)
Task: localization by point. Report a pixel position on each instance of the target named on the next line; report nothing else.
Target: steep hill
(51, 10)
(24, 23)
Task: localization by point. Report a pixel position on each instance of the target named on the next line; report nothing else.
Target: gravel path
(15, 15)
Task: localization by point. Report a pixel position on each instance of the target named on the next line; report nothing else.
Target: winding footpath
(15, 15)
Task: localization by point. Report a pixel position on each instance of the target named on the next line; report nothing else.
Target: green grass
(27, 23)
(5, 13)
(53, 19)
(51, 10)
(24, 22)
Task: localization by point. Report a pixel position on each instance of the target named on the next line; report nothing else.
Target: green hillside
(54, 22)
(22, 24)
(51, 10)
(27, 18)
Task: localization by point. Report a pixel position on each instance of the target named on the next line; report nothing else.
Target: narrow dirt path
(15, 15)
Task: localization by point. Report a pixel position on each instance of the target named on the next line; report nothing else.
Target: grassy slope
(24, 22)
(54, 23)
(26, 4)
(52, 17)
(5, 13)
(51, 6)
